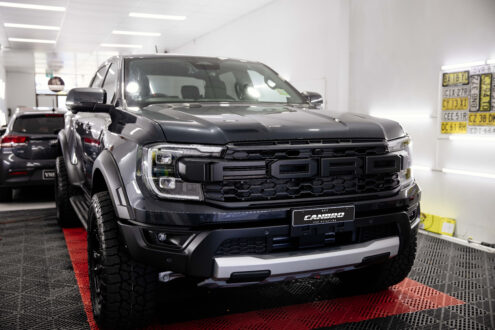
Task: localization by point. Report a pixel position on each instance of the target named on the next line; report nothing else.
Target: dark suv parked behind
(220, 171)
(28, 149)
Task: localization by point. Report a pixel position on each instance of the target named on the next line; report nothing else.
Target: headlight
(160, 172)
(403, 148)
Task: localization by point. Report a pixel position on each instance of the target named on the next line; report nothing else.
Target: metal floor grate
(38, 289)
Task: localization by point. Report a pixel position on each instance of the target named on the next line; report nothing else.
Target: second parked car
(28, 149)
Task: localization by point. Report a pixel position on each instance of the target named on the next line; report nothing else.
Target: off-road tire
(123, 291)
(5, 194)
(381, 276)
(66, 216)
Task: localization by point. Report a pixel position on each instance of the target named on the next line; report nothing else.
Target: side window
(110, 82)
(99, 76)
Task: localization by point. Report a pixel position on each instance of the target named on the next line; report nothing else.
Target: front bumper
(199, 256)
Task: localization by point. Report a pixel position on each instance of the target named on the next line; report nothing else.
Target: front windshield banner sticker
(468, 103)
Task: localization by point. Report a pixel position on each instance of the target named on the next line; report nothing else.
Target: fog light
(167, 239)
(162, 237)
(167, 183)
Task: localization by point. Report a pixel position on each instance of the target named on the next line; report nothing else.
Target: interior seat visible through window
(190, 92)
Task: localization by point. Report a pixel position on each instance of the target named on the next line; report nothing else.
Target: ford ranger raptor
(219, 171)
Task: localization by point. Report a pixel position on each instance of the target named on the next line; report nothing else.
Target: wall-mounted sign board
(468, 101)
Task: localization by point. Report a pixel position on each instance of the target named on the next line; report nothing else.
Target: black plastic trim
(197, 258)
(106, 164)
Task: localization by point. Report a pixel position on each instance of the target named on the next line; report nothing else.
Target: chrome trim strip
(302, 261)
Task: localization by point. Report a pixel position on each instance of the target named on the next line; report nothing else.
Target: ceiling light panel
(157, 16)
(31, 26)
(22, 5)
(137, 33)
(38, 41)
(121, 45)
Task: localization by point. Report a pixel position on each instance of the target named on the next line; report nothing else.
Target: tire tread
(129, 287)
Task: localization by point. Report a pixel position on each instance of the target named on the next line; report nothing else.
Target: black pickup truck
(220, 171)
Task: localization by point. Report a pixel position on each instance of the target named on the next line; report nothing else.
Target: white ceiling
(87, 23)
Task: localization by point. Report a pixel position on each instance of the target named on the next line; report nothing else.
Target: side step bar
(81, 207)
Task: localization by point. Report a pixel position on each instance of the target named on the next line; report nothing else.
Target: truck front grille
(279, 189)
(275, 171)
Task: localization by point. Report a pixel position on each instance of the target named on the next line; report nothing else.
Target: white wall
(396, 51)
(20, 89)
(304, 41)
(3, 102)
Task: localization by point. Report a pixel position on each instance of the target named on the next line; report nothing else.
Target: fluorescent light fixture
(469, 173)
(39, 41)
(31, 26)
(136, 33)
(490, 61)
(462, 65)
(121, 45)
(421, 168)
(30, 6)
(157, 16)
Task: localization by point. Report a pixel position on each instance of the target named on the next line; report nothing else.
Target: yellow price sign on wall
(485, 92)
(455, 103)
(482, 119)
(455, 78)
(467, 101)
(454, 127)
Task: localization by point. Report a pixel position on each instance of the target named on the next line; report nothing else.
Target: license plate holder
(48, 174)
(317, 221)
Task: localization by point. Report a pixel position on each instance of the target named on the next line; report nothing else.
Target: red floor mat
(406, 297)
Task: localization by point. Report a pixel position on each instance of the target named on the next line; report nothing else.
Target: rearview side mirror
(90, 99)
(3, 129)
(313, 98)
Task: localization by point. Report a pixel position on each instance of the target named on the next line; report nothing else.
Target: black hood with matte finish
(224, 123)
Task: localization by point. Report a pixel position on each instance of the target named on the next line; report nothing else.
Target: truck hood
(224, 123)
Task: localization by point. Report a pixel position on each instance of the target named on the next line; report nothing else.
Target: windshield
(185, 80)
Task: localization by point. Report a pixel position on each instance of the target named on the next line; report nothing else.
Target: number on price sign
(485, 92)
(482, 119)
(454, 127)
(455, 78)
(455, 103)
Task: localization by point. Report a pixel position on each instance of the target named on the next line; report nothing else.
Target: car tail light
(13, 141)
(91, 141)
(18, 173)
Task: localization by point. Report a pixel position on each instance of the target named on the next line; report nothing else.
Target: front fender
(106, 165)
(75, 175)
